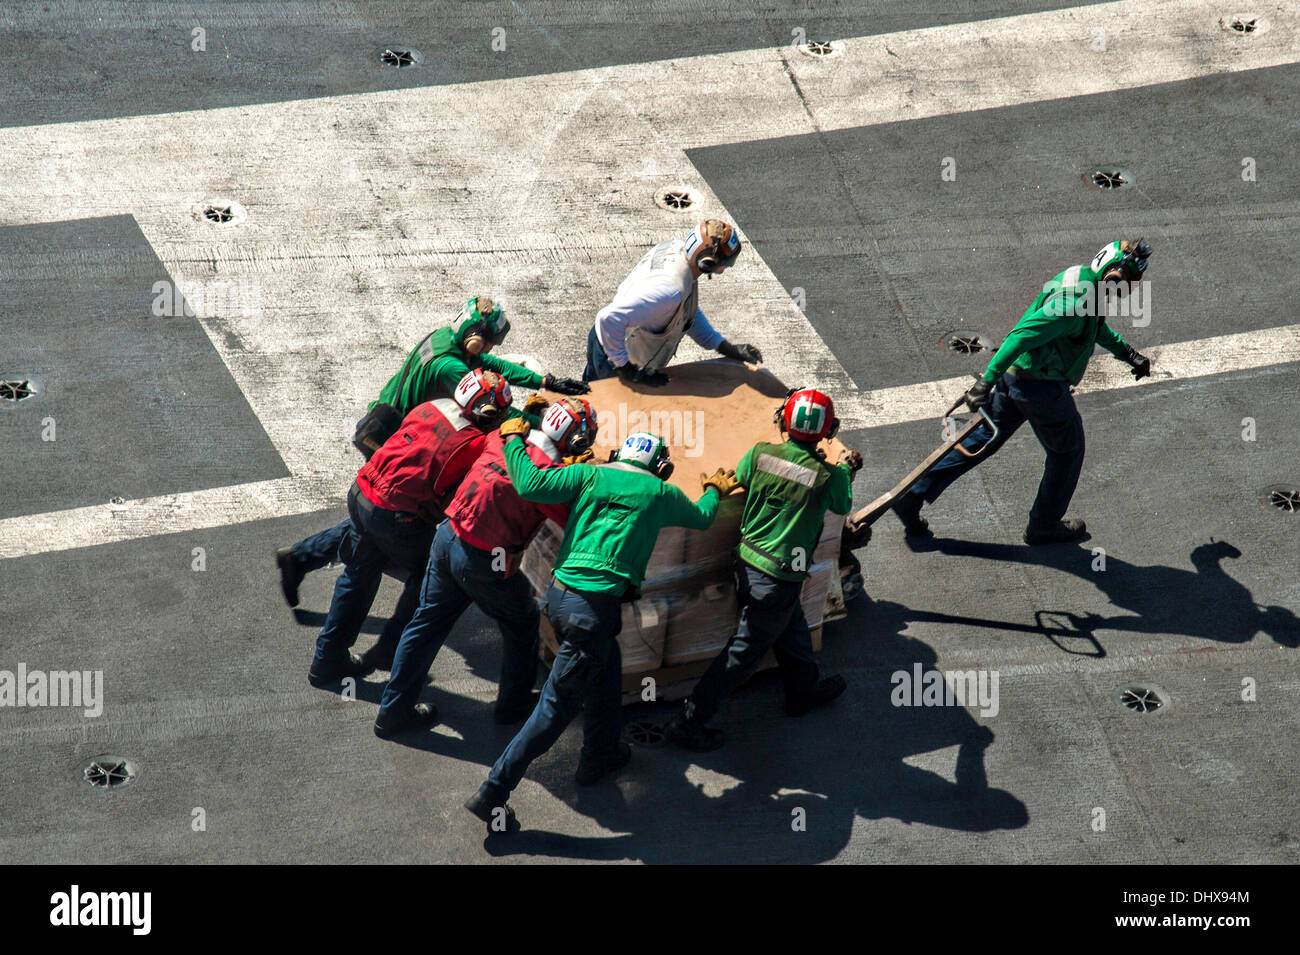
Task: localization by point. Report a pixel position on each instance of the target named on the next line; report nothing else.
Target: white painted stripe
(168, 514)
(786, 469)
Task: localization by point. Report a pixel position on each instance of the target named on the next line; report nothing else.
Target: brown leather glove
(852, 458)
(724, 482)
(536, 405)
(582, 458)
(515, 426)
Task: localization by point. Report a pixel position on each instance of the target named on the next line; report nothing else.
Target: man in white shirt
(637, 334)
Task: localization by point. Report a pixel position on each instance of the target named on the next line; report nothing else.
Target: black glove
(745, 353)
(633, 375)
(1140, 363)
(979, 395)
(565, 386)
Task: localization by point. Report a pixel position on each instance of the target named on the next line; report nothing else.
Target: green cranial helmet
(1129, 256)
(481, 316)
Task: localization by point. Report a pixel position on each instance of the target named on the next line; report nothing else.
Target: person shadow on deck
(1204, 602)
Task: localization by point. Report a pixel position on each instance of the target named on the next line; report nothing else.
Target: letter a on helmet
(809, 415)
(483, 395)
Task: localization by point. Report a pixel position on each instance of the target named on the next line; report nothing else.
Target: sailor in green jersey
(616, 511)
(789, 488)
(432, 370)
(1029, 379)
(436, 365)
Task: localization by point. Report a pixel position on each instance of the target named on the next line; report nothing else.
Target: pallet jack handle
(983, 413)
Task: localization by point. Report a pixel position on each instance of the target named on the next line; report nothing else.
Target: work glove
(536, 405)
(582, 458)
(745, 353)
(1139, 362)
(852, 458)
(515, 426)
(633, 375)
(565, 386)
(855, 535)
(979, 395)
(724, 482)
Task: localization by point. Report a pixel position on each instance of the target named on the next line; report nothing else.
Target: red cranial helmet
(484, 396)
(571, 424)
(808, 415)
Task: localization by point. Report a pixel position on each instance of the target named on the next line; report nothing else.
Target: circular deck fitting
(1142, 698)
(675, 200)
(1108, 178)
(644, 733)
(1242, 24)
(968, 343)
(108, 772)
(14, 390)
(821, 49)
(1282, 498)
(220, 212)
(400, 57)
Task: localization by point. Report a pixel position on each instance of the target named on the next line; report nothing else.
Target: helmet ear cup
(579, 440)
(664, 470)
(487, 411)
(835, 427)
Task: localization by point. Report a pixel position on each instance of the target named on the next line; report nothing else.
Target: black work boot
(827, 690)
(908, 509)
(354, 667)
(1062, 532)
(592, 771)
(486, 809)
(691, 734)
(290, 575)
(421, 715)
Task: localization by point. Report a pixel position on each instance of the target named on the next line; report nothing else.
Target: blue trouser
(313, 553)
(587, 678)
(374, 539)
(598, 364)
(1049, 408)
(771, 616)
(459, 574)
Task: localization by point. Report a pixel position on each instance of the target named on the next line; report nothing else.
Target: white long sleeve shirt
(642, 301)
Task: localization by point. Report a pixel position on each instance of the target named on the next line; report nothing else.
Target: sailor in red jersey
(475, 559)
(395, 504)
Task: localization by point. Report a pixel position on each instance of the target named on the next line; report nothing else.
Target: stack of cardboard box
(710, 414)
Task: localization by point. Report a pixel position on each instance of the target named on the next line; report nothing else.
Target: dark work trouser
(313, 553)
(771, 616)
(587, 678)
(458, 575)
(375, 538)
(598, 364)
(1049, 408)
